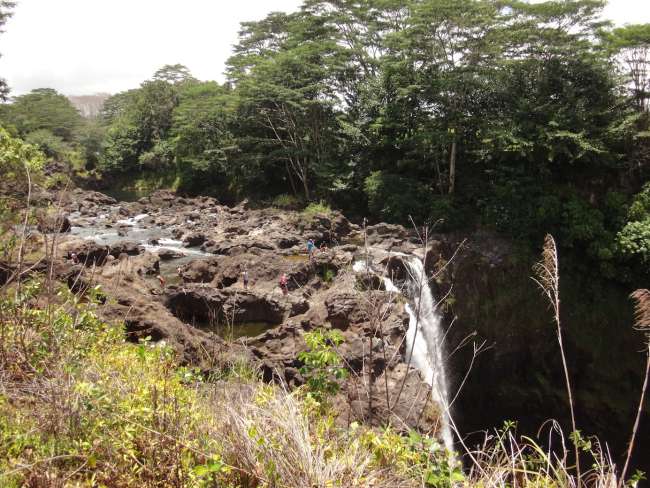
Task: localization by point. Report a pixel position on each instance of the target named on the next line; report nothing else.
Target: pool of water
(297, 258)
(236, 331)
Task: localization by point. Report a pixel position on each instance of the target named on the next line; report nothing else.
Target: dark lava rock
(194, 239)
(169, 254)
(51, 224)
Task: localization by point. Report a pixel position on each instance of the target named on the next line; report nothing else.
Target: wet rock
(395, 267)
(52, 224)
(129, 248)
(169, 254)
(146, 264)
(287, 242)
(88, 253)
(195, 239)
(365, 398)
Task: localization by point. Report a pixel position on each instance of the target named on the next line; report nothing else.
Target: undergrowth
(79, 406)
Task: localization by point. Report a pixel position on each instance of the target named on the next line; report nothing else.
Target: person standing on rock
(244, 276)
(283, 283)
(311, 247)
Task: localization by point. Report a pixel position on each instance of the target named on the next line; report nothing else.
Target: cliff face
(89, 106)
(519, 376)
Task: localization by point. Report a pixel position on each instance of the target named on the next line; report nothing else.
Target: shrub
(322, 364)
(634, 241)
(317, 208)
(286, 202)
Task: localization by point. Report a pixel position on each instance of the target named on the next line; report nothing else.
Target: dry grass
(642, 310)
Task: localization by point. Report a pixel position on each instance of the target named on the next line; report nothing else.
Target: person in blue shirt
(311, 247)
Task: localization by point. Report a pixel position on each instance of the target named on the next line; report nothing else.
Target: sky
(82, 47)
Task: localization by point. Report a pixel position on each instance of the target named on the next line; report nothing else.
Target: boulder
(169, 254)
(200, 270)
(345, 308)
(88, 252)
(53, 223)
(205, 304)
(194, 239)
(129, 248)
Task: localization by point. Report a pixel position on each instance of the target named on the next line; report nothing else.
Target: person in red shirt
(283, 283)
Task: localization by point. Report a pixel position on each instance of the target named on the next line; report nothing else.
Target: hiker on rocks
(244, 276)
(311, 247)
(284, 280)
(161, 279)
(74, 258)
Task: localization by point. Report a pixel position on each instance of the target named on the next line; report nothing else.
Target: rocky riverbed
(171, 270)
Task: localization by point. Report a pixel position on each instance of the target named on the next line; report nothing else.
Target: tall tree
(283, 81)
(632, 43)
(5, 12)
(43, 109)
(174, 74)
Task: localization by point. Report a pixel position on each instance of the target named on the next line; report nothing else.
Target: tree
(137, 121)
(174, 74)
(282, 81)
(203, 140)
(43, 109)
(5, 12)
(632, 43)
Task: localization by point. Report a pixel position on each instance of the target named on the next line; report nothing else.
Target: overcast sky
(89, 46)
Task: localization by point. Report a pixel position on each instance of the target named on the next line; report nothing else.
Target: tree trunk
(452, 167)
(293, 184)
(305, 187)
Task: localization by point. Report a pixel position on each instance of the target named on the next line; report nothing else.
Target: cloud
(86, 46)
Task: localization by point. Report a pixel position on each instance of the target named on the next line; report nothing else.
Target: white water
(133, 221)
(424, 337)
(173, 245)
(424, 342)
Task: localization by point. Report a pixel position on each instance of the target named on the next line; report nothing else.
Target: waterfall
(424, 337)
(424, 340)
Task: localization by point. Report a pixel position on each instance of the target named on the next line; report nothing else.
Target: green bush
(317, 208)
(286, 202)
(634, 241)
(395, 198)
(322, 364)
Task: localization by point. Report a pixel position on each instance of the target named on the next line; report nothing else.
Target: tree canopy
(516, 116)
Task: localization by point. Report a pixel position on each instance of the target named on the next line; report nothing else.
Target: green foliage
(128, 401)
(399, 198)
(328, 274)
(419, 456)
(286, 201)
(634, 238)
(634, 241)
(322, 364)
(6, 7)
(313, 209)
(43, 109)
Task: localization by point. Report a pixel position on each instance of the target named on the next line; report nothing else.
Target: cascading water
(424, 341)
(424, 338)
